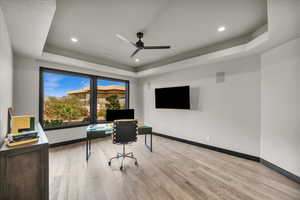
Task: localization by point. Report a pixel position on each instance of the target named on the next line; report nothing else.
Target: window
(70, 99)
(110, 95)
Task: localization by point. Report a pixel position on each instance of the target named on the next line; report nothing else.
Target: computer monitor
(112, 115)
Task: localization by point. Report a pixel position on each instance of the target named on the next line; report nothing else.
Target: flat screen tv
(112, 115)
(173, 97)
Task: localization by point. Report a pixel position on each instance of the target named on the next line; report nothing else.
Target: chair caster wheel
(121, 168)
(136, 163)
(109, 163)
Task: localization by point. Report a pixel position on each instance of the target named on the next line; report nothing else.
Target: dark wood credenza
(24, 170)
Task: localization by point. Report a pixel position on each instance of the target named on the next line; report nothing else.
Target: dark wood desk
(103, 131)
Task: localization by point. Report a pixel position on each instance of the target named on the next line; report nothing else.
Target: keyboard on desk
(100, 127)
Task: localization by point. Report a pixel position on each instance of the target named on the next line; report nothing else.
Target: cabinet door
(25, 174)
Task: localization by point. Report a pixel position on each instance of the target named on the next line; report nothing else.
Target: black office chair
(124, 132)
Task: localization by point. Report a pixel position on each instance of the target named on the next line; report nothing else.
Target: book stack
(22, 138)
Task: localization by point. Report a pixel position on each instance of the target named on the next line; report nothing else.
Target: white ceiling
(185, 25)
(28, 23)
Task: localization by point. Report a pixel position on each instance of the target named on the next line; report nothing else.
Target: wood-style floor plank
(174, 171)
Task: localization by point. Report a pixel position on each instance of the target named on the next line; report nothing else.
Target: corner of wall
(6, 73)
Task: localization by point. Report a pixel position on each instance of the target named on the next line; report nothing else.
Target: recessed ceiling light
(221, 28)
(74, 39)
(137, 60)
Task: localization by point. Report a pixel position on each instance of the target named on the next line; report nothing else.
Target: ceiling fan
(140, 44)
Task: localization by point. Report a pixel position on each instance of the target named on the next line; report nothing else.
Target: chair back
(125, 131)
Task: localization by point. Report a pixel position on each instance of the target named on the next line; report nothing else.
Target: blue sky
(59, 84)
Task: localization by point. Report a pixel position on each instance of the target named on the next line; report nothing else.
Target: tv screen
(112, 115)
(173, 98)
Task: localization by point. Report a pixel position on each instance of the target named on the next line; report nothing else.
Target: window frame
(93, 96)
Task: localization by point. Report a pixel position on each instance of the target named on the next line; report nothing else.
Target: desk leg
(90, 146)
(151, 142)
(87, 149)
(148, 147)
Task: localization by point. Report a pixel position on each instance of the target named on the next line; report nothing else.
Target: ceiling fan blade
(135, 52)
(125, 40)
(157, 47)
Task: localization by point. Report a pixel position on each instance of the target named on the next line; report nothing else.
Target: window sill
(75, 125)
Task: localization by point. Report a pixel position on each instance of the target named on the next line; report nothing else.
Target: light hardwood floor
(173, 171)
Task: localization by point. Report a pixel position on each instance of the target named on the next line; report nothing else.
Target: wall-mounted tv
(173, 97)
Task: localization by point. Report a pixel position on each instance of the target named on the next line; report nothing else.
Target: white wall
(6, 70)
(225, 115)
(280, 119)
(26, 93)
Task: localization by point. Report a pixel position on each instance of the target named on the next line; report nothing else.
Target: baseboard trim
(281, 171)
(67, 142)
(218, 149)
